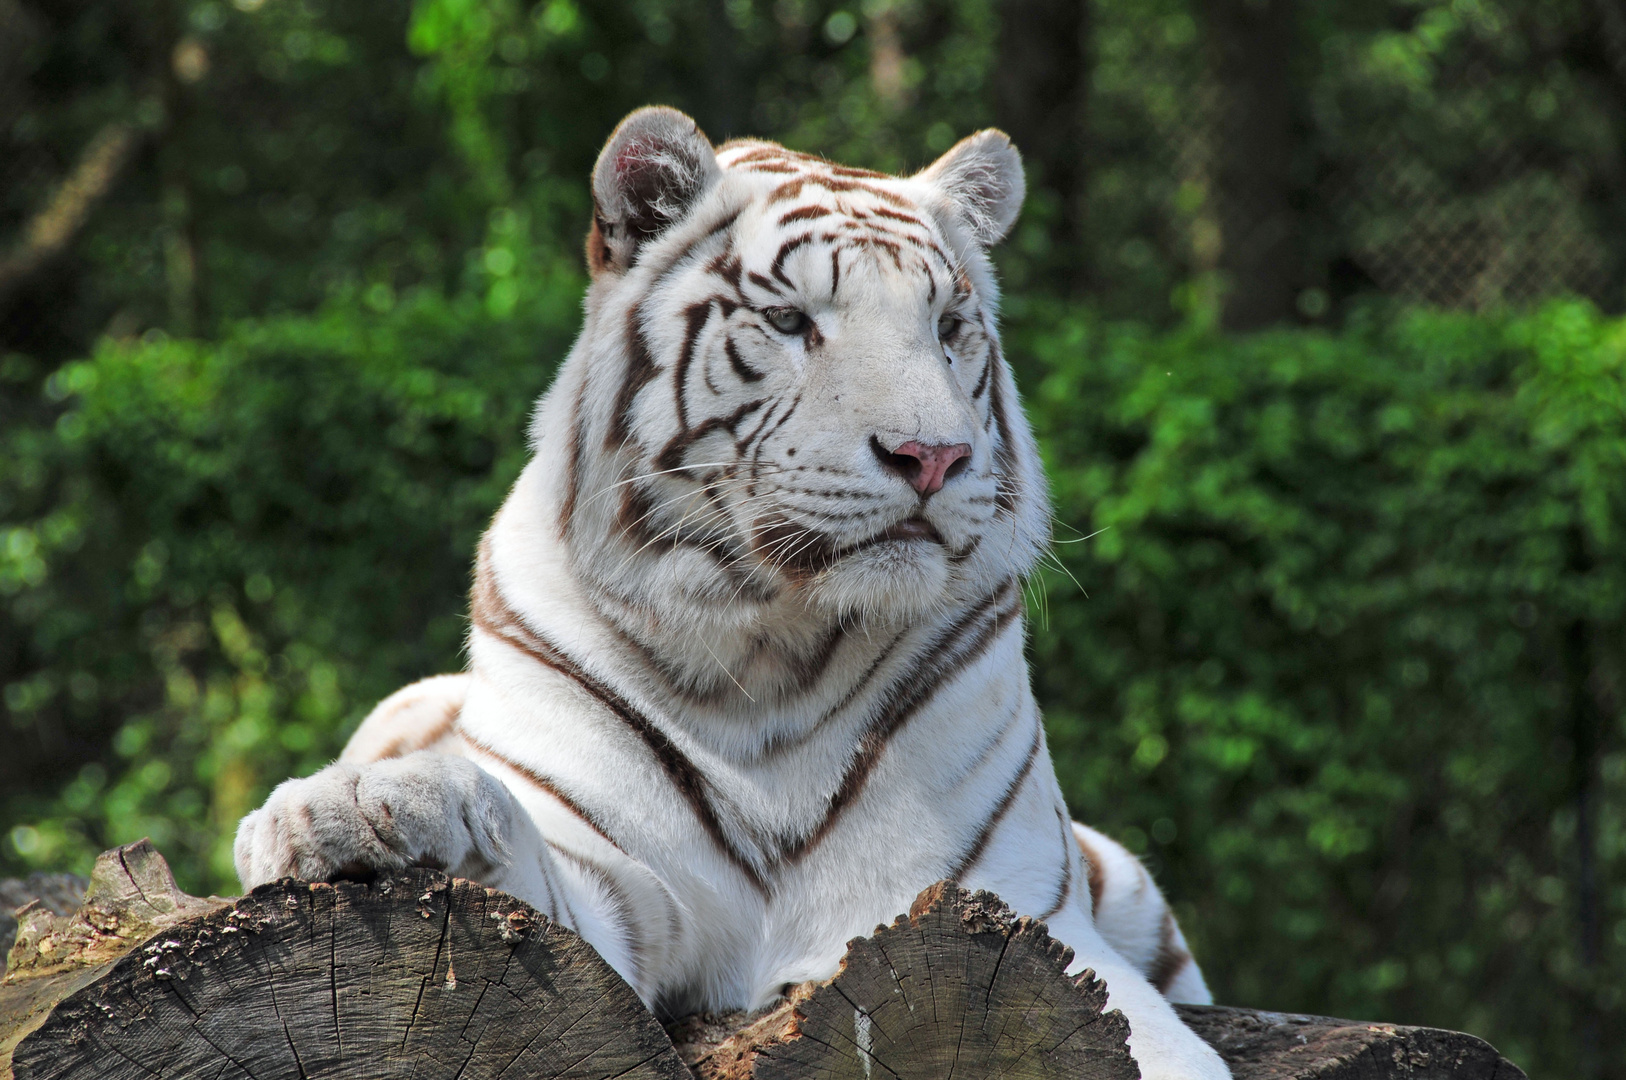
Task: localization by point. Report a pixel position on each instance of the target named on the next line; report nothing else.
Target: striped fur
(745, 689)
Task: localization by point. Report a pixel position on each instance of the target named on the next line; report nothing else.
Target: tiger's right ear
(653, 170)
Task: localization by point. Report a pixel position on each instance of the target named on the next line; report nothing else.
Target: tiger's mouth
(803, 551)
(911, 528)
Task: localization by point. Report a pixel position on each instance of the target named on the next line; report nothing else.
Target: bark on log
(419, 975)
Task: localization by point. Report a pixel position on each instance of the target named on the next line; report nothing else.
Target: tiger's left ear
(654, 168)
(982, 177)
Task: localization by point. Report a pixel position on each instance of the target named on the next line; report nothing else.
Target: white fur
(852, 727)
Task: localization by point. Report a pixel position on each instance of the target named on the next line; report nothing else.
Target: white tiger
(746, 665)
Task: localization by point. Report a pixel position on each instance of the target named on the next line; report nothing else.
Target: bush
(1348, 671)
(222, 554)
(1349, 666)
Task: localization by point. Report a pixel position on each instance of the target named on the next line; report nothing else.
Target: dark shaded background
(1313, 306)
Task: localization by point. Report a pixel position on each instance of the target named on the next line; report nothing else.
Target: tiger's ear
(982, 177)
(655, 167)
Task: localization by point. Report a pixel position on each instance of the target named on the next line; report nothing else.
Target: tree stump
(420, 975)
(958, 987)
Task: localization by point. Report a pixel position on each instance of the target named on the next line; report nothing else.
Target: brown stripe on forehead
(726, 265)
(881, 211)
(792, 188)
(763, 153)
(785, 250)
(848, 170)
(805, 213)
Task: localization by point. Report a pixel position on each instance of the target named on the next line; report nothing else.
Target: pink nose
(925, 467)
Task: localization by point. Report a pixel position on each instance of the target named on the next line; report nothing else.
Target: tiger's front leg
(423, 809)
(1162, 1045)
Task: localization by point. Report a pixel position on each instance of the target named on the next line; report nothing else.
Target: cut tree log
(414, 975)
(958, 987)
(419, 975)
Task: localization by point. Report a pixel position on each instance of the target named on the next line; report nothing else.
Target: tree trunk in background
(1250, 45)
(1041, 93)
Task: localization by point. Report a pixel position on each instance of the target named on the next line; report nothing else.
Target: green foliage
(222, 554)
(1356, 613)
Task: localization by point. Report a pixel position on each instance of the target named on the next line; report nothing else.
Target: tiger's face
(812, 401)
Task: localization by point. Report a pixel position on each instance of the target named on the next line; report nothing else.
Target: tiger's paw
(424, 809)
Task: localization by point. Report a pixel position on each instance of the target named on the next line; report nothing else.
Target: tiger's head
(789, 393)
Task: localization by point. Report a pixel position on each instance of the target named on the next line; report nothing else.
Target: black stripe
(573, 467)
(695, 318)
(491, 613)
(1066, 890)
(982, 380)
(741, 368)
(671, 456)
(641, 368)
(1004, 453)
(781, 745)
(959, 644)
(547, 784)
(1001, 808)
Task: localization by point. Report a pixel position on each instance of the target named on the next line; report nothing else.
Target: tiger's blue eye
(948, 326)
(787, 320)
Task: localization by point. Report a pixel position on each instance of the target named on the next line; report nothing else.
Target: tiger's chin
(892, 580)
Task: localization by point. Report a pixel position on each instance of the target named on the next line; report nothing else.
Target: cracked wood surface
(958, 987)
(420, 975)
(1289, 1046)
(413, 975)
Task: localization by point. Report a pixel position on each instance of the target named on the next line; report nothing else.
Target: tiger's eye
(948, 326)
(787, 320)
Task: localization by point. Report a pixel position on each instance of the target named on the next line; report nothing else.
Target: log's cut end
(412, 975)
(1289, 1046)
(958, 987)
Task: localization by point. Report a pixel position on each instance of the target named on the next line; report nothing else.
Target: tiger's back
(746, 665)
